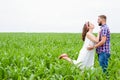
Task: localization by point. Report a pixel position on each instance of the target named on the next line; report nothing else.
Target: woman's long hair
(85, 30)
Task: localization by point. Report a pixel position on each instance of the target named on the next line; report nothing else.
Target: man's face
(99, 21)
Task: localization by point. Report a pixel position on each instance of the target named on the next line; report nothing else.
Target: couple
(101, 43)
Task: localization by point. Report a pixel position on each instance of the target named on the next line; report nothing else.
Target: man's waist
(98, 50)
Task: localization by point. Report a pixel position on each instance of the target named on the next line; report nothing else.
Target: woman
(86, 57)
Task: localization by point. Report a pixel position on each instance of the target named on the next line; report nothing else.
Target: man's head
(101, 20)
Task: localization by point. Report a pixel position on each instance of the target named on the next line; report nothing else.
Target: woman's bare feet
(63, 55)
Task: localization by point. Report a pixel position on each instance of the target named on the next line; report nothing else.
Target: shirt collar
(103, 26)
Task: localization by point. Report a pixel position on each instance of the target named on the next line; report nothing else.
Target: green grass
(34, 56)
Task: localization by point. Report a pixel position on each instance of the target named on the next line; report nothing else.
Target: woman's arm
(93, 37)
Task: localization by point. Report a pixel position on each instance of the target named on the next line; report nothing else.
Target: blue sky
(56, 15)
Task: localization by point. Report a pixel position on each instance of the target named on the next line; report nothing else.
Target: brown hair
(85, 30)
(103, 17)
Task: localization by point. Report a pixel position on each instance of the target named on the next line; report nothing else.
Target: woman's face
(91, 26)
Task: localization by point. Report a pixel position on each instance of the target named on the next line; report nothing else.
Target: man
(103, 46)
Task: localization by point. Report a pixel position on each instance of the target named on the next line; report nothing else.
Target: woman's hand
(99, 32)
(90, 47)
(98, 35)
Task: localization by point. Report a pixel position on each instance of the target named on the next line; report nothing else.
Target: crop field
(34, 56)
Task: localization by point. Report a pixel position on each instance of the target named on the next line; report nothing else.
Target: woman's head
(87, 26)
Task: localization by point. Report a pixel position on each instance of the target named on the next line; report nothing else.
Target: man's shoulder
(105, 27)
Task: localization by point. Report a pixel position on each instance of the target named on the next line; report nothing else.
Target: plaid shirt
(106, 46)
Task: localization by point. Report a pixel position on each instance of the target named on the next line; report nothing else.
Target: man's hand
(90, 47)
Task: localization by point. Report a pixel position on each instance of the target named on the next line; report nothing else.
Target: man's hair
(103, 17)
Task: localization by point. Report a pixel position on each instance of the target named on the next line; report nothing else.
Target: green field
(34, 56)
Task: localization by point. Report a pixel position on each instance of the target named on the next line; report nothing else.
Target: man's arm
(103, 40)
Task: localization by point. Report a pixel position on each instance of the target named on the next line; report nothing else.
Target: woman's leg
(65, 57)
(68, 59)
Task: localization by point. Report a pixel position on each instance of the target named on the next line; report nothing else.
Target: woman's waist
(85, 49)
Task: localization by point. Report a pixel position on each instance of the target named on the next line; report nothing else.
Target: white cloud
(56, 15)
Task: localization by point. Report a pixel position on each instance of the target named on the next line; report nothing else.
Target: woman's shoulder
(89, 34)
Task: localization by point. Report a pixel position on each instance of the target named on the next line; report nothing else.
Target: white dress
(86, 57)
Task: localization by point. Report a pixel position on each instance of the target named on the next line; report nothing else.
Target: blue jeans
(103, 60)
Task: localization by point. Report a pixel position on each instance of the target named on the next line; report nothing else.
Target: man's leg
(101, 58)
(107, 56)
